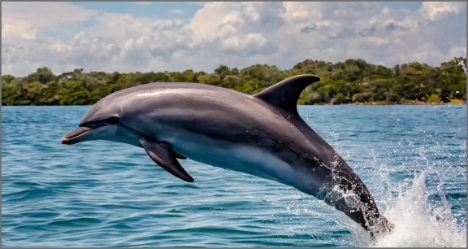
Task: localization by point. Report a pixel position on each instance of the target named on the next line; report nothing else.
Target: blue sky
(185, 10)
(146, 9)
(412, 6)
(158, 36)
(162, 9)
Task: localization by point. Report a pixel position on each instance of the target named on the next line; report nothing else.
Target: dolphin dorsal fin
(285, 94)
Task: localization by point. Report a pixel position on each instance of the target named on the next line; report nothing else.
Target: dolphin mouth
(70, 138)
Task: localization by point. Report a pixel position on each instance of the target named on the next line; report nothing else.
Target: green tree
(353, 80)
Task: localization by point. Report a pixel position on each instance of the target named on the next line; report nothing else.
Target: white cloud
(439, 10)
(230, 33)
(252, 41)
(22, 20)
(207, 20)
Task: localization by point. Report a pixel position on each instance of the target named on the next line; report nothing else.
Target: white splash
(417, 225)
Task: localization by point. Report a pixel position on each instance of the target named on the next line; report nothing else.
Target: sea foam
(417, 224)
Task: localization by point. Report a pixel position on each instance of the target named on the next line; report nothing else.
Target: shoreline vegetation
(352, 82)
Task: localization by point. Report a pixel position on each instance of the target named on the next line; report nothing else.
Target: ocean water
(104, 194)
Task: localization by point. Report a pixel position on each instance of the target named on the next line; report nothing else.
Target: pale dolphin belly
(233, 156)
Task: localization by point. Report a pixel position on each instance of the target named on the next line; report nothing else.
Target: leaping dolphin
(261, 135)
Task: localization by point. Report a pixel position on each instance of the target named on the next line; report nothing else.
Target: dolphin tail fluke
(163, 155)
(380, 226)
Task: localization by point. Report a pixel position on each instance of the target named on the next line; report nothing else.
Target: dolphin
(262, 135)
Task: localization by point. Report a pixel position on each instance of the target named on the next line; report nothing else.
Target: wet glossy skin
(252, 134)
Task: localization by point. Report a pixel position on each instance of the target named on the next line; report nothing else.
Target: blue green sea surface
(104, 194)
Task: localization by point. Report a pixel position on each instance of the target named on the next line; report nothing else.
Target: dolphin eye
(113, 120)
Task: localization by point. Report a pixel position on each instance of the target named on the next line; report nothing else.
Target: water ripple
(102, 194)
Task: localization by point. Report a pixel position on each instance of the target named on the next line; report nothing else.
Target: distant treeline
(352, 81)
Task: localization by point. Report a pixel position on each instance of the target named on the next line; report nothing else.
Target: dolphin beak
(71, 137)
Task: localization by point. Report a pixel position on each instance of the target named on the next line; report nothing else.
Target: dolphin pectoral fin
(285, 94)
(163, 155)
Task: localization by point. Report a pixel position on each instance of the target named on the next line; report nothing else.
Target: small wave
(76, 222)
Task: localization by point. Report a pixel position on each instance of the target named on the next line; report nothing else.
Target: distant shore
(405, 102)
(351, 82)
(414, 103)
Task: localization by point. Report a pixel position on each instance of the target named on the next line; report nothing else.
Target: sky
(176, 36)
